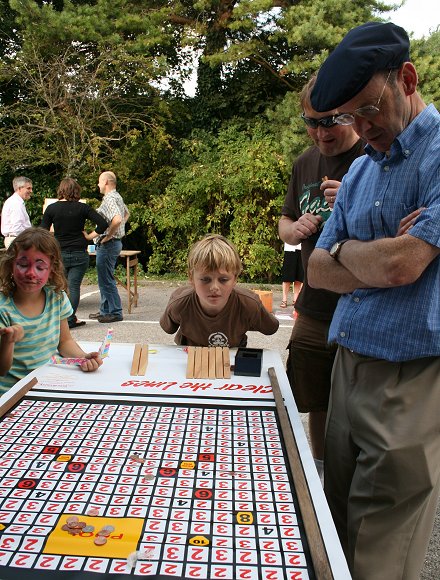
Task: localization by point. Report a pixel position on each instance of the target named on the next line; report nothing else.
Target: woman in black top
(68, 217)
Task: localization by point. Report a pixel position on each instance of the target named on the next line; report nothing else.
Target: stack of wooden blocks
(140, 360)
(208, 362)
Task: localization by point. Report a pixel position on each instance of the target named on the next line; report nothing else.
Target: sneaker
(95, 316)
(107, 318)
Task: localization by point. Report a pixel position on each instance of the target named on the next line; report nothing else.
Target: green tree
(74, 112)
(425, 53)
(82, 89)
(232, 184)
(85, 74)
(254, 51)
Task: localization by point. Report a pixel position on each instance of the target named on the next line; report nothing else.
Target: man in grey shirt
(108, 248)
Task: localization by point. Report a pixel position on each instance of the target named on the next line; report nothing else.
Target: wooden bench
(131, 263)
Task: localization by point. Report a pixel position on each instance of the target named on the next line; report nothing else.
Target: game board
(141, 484)
(200, 492)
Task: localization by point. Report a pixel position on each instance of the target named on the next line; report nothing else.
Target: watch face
(334, 250)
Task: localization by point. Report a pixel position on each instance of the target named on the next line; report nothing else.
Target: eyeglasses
(367, 112)
(326, 122)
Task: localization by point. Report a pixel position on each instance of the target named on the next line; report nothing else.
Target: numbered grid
(209, 486)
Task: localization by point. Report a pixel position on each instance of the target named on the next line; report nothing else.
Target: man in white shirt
(15, 218)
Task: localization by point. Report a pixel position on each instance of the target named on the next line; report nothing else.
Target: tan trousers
(382, 462)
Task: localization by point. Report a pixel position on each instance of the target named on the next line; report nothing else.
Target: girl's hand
(93, 362)
(12, 334)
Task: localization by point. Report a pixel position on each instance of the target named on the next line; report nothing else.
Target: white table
(231, 513)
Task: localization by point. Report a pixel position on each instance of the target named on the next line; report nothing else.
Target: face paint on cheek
(31, 276)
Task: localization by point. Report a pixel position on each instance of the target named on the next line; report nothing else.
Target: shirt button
(342, 334)
(407, 152)
(377, 203)
(356, 299)
(386, 168)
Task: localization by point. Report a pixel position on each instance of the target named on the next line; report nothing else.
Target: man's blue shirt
(400, 323)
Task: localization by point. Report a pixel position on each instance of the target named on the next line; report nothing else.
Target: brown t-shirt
(305, 196)
(243, 311)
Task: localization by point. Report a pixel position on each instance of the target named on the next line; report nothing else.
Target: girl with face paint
(34, 308)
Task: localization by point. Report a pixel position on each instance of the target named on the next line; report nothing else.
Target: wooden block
(226, 363)
(190, 363)
(197, 362)
(18, 395)
(266, 297)
(211, 362)
(143, 360)
(204, 374)
(219, 362)
(135, 362)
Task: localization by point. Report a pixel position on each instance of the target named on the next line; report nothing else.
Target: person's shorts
(292, 270)
(310, 363)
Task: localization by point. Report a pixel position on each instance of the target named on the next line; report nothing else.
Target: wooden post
(313, 533)
(18, 395)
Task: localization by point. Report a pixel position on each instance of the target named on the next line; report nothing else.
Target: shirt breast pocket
(406, 210)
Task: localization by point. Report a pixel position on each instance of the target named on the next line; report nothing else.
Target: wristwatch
(336, 249)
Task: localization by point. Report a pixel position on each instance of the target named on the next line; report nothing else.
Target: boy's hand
(93, 362)
(12, 334)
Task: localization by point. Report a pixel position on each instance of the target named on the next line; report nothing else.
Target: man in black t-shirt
(314, 183)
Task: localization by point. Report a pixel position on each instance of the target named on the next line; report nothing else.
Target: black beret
(364, 50)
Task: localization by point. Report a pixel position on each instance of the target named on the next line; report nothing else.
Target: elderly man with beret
(313, 187)
(382, 450)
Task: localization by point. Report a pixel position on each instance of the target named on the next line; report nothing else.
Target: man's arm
(383, 263)
(325, 272)
(6, 219)
(166, 322)
(113, 226)
(294, 232)
(388, 262)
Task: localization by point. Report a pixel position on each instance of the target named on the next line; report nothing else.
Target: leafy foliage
(231, 184)
(426, 56)
(89, 85)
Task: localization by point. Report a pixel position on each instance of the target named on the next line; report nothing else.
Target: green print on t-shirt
(312, 200)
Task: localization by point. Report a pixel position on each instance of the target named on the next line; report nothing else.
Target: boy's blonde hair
(214, 252)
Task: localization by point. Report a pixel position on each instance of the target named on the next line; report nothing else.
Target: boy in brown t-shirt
(212, 310)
